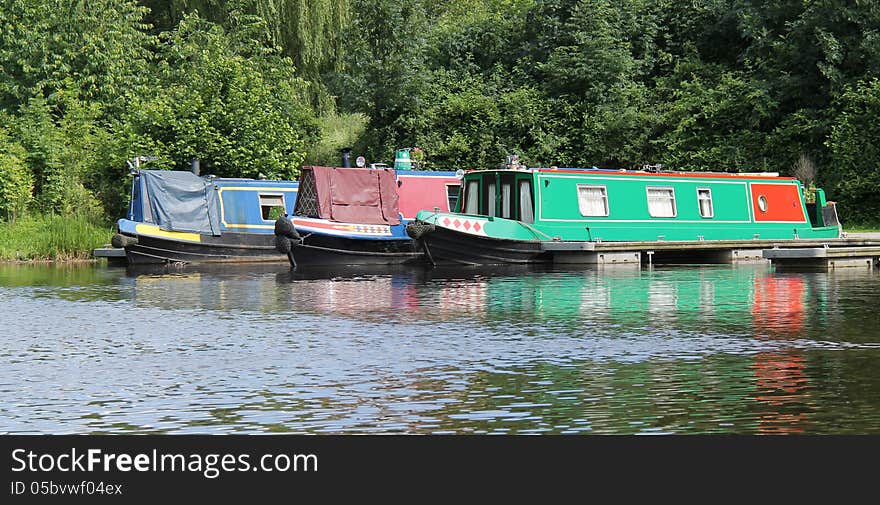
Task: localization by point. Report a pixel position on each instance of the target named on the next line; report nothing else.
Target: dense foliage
(257, 87)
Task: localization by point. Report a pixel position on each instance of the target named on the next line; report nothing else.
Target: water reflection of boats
(521, 293)
(782, 386)
(782, 392)
(366, 291)
(732, 301)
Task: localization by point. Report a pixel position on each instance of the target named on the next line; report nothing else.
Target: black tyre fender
(284, 228)
(417, 229)
(121, 241)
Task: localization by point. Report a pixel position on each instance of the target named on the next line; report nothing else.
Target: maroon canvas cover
(357, 195)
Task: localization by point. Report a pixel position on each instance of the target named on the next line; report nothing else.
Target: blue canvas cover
(180, 201)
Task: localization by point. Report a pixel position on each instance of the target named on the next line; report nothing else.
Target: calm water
(712, 349)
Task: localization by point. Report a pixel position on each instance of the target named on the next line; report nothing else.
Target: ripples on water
(713, 349)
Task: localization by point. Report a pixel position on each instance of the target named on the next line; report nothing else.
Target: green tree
(310, 32)
(714, 119)
(855, 154)
(223, 97)
(98, 47)
(16, 180)
(63, 151)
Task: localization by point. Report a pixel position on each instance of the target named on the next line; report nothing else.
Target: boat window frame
(471, 186)
(520, 182)
(711, 203)
(449, 205)
(283, 205)
(489, 189)
(604, 189)
(762, 204)
(648, 200)
(507, 202)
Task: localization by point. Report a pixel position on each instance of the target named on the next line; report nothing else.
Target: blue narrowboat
(180, 217)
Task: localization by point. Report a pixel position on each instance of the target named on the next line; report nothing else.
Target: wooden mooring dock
(860, 250)
(115, 256)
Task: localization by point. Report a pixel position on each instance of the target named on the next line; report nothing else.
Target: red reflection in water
(778, 313)
(463, 298)
(778, 308)
(782, 392)
(352, 297)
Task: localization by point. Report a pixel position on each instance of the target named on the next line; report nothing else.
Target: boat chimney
(346, 157)
(402, 159)
(194, 166)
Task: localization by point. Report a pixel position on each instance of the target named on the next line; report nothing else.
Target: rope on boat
(536, 232)
(417, 229)
(428, 253)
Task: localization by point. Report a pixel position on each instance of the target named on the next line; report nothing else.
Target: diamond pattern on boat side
(465, 225)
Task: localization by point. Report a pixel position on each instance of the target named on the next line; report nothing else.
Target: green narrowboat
(515, 215)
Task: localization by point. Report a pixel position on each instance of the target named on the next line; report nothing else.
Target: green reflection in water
(53, 274)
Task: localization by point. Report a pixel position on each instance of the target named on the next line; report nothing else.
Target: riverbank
(51, 238)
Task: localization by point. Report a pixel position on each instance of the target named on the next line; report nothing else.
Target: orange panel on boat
(781, 202)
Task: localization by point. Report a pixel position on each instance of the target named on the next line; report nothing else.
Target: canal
(260, 349)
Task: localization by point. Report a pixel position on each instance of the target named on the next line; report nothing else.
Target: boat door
(515, 197)
(507, 194)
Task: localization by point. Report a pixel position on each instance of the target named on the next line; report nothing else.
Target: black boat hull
(227, 248)
(448, 246)
(325, 250)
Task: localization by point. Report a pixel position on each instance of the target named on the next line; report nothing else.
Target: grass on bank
(875, 227)
(51, 238)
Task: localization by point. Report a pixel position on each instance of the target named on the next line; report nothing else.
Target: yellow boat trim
(155, 231)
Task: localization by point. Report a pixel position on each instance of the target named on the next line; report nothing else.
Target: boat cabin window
(487, 207)
(472, 198)
(509, 197)
(592, 200)
(271, 206)
(452, 194)
(704, 201)
(526, 207)
(762, 203)
(508, 203)
(661, 202)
